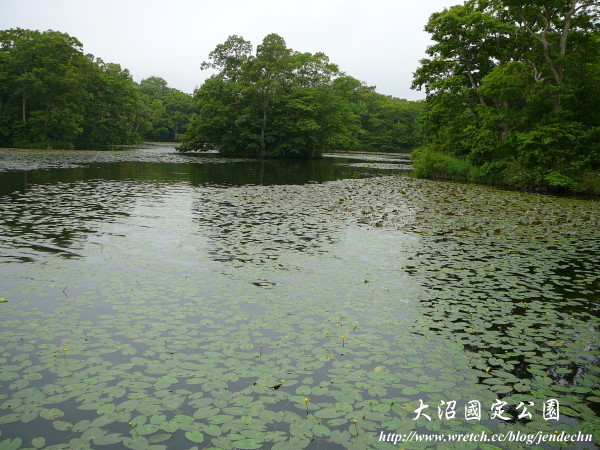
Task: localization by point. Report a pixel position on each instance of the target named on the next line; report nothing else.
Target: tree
(269, 73)
(114, 115)
(468, 42)
(510, 87)
(389, 124)
(275, 103)
(551, 24)
(52, 94)
(40, 74)
(169, 110)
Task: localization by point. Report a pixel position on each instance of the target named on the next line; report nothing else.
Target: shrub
(430, 163)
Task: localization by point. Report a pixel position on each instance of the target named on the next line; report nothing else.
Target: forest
(54, 95)
(511, 88)
(278, 103)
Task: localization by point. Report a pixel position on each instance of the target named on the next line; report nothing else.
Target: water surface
(204, 299)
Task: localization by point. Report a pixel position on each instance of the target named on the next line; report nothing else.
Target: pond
(151, 299)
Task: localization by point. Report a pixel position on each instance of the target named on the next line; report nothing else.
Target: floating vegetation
(290, 316)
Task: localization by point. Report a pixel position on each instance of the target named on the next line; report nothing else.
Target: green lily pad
(159, 437)
(38, 442)
(248, 444)
(11, 444)
(328, 413)
(106, 409)
(9, 418)
(136, 442)
(170, 426)
(51, 414)
(194, 436)
(108, 439)
(33, 376)
(213, 430)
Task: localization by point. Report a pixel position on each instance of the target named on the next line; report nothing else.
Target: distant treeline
(513, 95)
(54, 95)
(276, 103)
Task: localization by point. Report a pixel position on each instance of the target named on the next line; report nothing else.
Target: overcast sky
(377, 41)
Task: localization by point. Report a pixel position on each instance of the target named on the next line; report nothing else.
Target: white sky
(377, 41)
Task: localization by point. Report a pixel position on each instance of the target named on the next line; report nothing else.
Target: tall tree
(550, 25)
(504, 93)
(468, 43)
(269, 74)
(114, 114)
(52, 94)
(274, 103)
(40, 73)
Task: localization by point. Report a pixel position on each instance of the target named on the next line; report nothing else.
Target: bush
(590, 183)
(491, 172)
(560, 182)
(430, 163)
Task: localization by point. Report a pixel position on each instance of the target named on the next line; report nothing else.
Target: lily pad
(38, 442)
(195, 436)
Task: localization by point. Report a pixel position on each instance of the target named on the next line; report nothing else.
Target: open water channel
(150, 299)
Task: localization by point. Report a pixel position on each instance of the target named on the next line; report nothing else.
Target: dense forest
(54, 95)
(513, 90)
(277, 102)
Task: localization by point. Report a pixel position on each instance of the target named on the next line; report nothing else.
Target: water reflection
(259, 224)
(54, 207)
(19, 174)
(59, 218)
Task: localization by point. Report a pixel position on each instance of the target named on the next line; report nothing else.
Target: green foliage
(490, 172)
(551, 146)
(389, 124)
(112, 116)
(168, 110)
(429, 163)
(510, 89)
(275, 103)
(557, 180)
(282, 103)
(40, 93)
(222, 120)
(53, 95)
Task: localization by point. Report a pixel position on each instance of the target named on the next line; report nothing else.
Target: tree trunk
(556, 106)
(46, 120)
(474, 85)
(263, 146)
(24, 108)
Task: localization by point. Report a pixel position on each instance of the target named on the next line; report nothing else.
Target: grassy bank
(433, 164)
